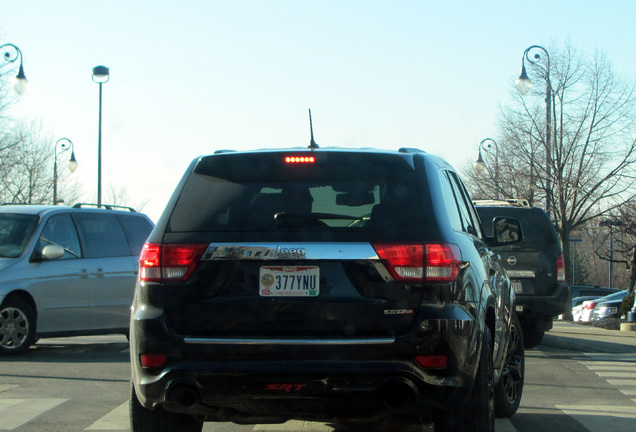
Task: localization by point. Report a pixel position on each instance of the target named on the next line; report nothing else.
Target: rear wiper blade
(282, 217)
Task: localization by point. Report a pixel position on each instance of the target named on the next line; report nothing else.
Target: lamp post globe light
(11, 54)
(63, 144)
(480, 166)
(523, 85)
(100, 76)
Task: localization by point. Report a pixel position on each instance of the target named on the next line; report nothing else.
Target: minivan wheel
(510, 386)
(17, 326)
(145, 420)
(479, 414)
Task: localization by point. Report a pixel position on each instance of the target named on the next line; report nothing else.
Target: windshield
(15, 232)
(538, 233)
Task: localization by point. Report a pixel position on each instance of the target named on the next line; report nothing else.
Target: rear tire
(143, 419)
(531, 336)
(479, 414)
(510, 386)
(17, 326)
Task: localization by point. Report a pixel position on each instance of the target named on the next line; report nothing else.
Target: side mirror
(506, 230)
(52, 252)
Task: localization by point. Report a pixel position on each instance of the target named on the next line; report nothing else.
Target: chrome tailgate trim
(251, 341)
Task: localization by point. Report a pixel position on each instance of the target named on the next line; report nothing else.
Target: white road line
(5, 387)
(615, 374)
(595, 364)
(294, 425)
(597, 418)
(501, 425)
(16, 412)
(622, 382)
(117, 419)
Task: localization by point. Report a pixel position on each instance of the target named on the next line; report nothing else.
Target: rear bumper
(543, 307)
(252, 381)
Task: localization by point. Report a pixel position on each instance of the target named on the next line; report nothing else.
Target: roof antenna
(312, 143)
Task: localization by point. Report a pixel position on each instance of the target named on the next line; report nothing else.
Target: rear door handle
(99, 273)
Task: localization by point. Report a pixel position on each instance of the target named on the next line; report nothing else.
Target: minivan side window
(60, 230)
(137, 230)
(102, 235)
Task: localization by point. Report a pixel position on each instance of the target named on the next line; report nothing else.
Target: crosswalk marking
(117, 419)
(617, 373)
(610, 374)
(16, 412)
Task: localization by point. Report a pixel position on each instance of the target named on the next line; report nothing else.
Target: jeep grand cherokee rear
(327, 285)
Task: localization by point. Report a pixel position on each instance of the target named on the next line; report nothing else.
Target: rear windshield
(15, 232)
(538, 232)
(335, 192)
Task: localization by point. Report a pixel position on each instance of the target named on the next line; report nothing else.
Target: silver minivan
(66, 271)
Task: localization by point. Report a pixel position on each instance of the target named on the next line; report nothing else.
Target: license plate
(516, 286)
(289, 281)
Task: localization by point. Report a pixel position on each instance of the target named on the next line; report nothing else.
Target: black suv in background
(535, 265)
(330, 285)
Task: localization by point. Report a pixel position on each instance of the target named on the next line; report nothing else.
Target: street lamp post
(523, 84)
(100, 76)
(11, 54)
(64, 145)
(611, 222)
(480, 166)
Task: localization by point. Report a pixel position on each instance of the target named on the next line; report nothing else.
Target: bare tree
(26, 157)
(588, 166)
(119, 196)
(27, 178)
(618, 245)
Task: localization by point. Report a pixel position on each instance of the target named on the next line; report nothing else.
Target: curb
(627, 327)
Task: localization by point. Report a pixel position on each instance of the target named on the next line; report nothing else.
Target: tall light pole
(100, 76)
(64, 145)
(11, 54)
(611, 222)
(523, 84)
(480, 166)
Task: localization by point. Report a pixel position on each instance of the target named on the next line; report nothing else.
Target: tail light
(560, 268)
(152, 361)
(438, 262)
(589, 305)
(176, 262)
(432, 361)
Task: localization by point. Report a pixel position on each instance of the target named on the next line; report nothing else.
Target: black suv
(535, 265)
(330, 285)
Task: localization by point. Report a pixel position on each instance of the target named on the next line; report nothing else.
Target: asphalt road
(580, 379)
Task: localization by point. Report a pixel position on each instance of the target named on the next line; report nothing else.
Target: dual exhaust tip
(396, 394)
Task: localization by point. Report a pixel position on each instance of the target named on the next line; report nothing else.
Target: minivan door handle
(83, 274)
(99, 273)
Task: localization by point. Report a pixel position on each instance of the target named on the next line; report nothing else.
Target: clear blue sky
(191, 77)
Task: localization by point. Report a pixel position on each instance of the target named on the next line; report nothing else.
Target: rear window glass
(136, 229)
(336, 192)
(538, 232)
(102, 235)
